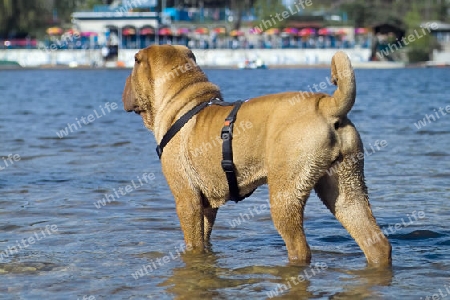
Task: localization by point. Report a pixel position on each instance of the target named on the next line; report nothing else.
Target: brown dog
(288, 146)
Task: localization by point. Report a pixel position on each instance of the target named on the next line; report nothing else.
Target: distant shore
(207, 59)
(368, 65)
(211, 58)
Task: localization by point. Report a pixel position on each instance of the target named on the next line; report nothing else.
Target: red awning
(307, 32)
(165, 31)
(236, 33)
(202, 30)
(146, 31)
(290, 30)
(220, 30)
(129, 31)
(183, 31)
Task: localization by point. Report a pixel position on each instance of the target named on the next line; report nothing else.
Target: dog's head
(159, 72)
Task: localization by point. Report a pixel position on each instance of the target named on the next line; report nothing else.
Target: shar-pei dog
(290, 141)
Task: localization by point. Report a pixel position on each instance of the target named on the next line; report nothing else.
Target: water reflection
(364, 283)
(203, 276)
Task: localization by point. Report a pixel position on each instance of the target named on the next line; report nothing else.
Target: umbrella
(165, 31)
(220, 30)
(307, 31)
(341, 32)
(88, 33)
(202, 30)
(361, 30)
(183, 31)
(255, 30)
(236, 33)
(72, 32)
(272, 31)
(290, 30)
(54, 31)
(146, 31)
(129, 31)
(325, 31)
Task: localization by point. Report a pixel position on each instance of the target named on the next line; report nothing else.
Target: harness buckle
(227, 166)
(226, 133)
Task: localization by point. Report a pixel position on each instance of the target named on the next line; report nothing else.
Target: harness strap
(178, 125)
(226, 135)
(227, 153)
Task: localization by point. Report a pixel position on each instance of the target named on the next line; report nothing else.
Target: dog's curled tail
(343, 77)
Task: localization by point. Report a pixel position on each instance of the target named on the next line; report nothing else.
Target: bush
(418, 55)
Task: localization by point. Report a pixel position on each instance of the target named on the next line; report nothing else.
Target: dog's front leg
(191, 215)
(208, 222)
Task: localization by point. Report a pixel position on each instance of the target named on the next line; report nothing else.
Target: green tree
(421, 48)
(19, 17)
(266, 10)
(32, 17)
(359, 12)
(443, 10)
(239, 7)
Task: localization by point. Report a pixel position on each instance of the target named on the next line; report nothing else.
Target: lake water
(56, 244)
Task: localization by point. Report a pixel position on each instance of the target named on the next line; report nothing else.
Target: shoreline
(221, 59)
(356, 66)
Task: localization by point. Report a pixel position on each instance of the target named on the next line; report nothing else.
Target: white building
(110, 23)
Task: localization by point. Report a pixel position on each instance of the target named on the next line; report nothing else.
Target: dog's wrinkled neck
(172, 105)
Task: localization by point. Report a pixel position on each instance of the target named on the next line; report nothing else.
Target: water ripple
(96, 250)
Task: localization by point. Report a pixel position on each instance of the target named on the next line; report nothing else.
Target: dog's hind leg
(347, 200)
(291, 177)
(287, 215)
(344, 192)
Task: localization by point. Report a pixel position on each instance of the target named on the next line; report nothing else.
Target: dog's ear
(186, 51)
(191, 55)
(128, 97)
(139, 56)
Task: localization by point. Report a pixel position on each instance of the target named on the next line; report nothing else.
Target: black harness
(226, 135)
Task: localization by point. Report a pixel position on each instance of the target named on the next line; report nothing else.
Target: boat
(8, 64)
(252, 64)
(437, 64)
